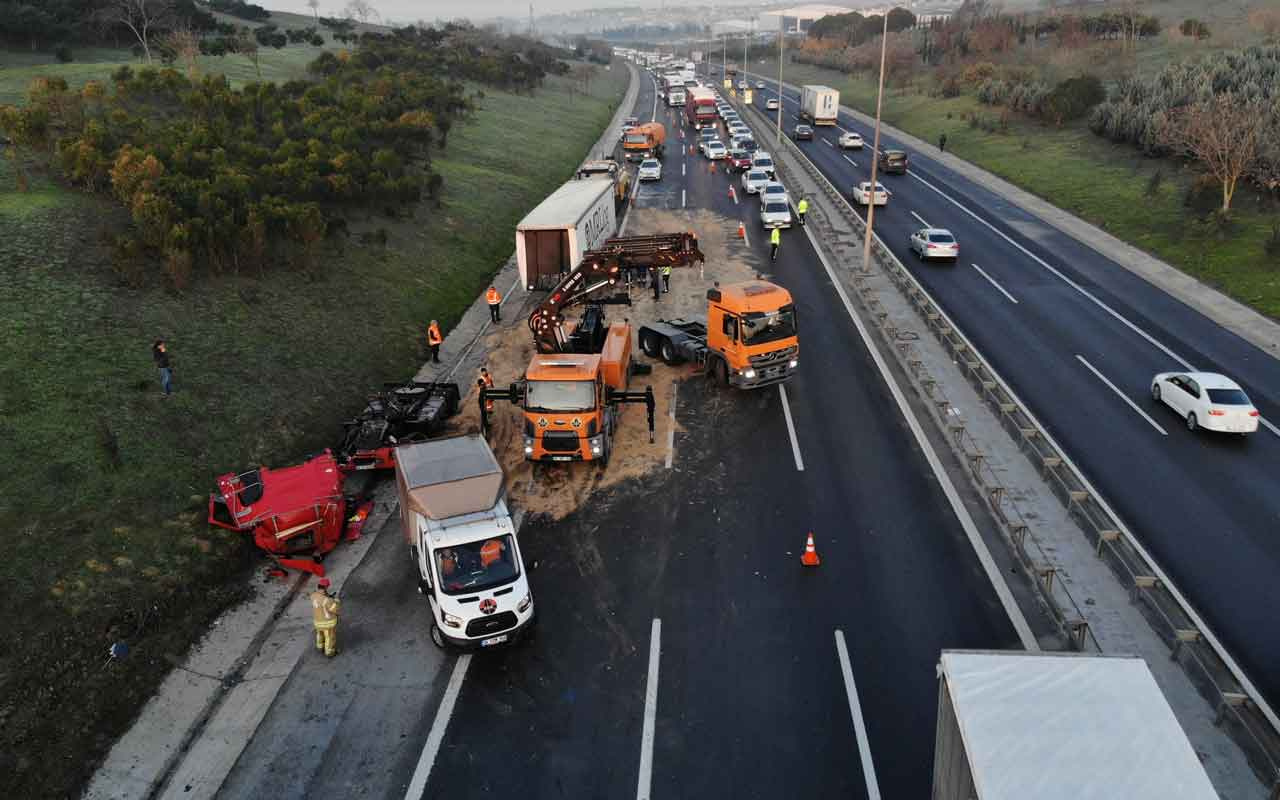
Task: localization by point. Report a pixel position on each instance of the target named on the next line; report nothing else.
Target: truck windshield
(637, 138)
(768, 326)
(475, 566)
(561, 396)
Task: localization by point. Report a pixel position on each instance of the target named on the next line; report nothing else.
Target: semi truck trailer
(819, 105)
(550, 240)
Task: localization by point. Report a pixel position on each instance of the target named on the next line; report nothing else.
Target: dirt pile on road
(556, 490)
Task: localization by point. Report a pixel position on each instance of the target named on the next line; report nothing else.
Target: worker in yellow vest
(495, 304)
(775, 239)
(802, 209)
(324, 613)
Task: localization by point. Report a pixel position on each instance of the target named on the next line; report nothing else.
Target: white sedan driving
(1206, 400)
(650, 170)
(850, 141)
(862, 194)
(771, 104)
(929, 243)
(753, 180)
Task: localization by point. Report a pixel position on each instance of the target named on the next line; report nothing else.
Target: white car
(759, 84)
(753, 180)
(771, 104)
(862, 194)
(743, 85)
(738, 129)
(850, 141)
(774, 191)
(650, 170)
(1206, 400)
(762, 160)
(929, 243)
(775, 214)
(714, 150)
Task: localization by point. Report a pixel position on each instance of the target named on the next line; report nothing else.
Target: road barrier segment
(1240, 709)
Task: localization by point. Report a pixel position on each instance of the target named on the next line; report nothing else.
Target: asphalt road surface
(1076, 335)
(681, 647)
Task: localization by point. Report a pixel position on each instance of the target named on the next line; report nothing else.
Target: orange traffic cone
(690, 149)
(731, 193)
(810, 557)
(742, 231)
(712, 168)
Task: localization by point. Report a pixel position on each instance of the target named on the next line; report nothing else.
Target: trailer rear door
(548, 256)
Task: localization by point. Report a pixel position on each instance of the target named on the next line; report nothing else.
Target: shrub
(1202, 197)
(1271, 245)
(951, 87)
(1073, 97)
(1194, 29)
(63, 54)
(1154, 182)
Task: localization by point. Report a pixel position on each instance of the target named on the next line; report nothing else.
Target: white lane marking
(922, 222)
(827, 142)
(1116, 314)
(1121, 395)
(682, 168)
(650, 713)
(671, 431)
(653, 115)
(989, 566)
(859, 724)
(418, 784)
(850, 160)
(1269, 426)
(992, 281)
(682, 198)
(791, 428)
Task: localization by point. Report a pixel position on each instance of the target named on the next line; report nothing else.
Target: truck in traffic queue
(819, 105)
(647, 140)
(700, 108)
(749, 339)
(462, 542)
(577, 217)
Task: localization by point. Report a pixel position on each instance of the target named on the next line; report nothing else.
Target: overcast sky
(409, 10)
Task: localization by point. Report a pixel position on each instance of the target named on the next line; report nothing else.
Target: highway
(1079, 338)
(682, 650)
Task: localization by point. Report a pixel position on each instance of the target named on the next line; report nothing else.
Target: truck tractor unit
(749, 339)
(400, 413)
(644, 141)
(700, 108)
(573, 388)
(462, 542)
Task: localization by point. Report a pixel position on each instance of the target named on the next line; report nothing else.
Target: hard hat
(324, 583)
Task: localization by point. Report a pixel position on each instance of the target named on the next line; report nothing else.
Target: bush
(1271, 245)
(1073, 98)
(951, 87)
(63, 54)
(1154, 182)
(1202, 197)
(1194, 29)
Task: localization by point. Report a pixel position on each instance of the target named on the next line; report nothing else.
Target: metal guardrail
(1243, 716)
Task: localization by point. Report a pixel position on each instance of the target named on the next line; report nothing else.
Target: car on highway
(862, 194)
(774, 191)
(747, 143)
(762, 160)
(650, 170)
(759, 84)
(737, 130)
(714, 150)
(802, 132)
(731, 117)
(707, 134)
(771, 104)
(743, 86)
(929, 243)
(893, 162)
(753, 180)
(850, 141)
(739, 159)
(775, 214)
(1206, 400)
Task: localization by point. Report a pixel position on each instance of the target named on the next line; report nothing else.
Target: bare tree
(247, 46)
(143, 18)
(185, 46)
(1224, 134)
(314, 5)
(362, 10)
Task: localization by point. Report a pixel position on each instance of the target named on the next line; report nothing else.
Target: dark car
(739, 159)
(893, 162)
(802, 132)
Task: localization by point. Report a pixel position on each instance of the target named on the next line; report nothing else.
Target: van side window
(731, 327)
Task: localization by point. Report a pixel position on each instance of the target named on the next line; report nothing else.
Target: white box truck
(1058, 726)
(819, 105)
(551, 239)
(463, 544)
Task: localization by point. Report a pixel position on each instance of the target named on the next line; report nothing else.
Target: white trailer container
(819, 105)
(1058, 726)
(462, 541)
(551, 239)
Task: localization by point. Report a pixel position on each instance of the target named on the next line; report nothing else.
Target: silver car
(753, 180)
(774, 191)
(935, 243)
(775, 214)
(650, 170)
(715, 150)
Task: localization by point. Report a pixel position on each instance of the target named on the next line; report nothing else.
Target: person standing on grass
(942, 142)
(160, 354)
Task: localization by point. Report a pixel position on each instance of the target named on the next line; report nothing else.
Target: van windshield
(769, 326)
(561, 396)
(475, 566)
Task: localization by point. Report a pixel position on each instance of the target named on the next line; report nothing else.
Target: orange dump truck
(644, 141)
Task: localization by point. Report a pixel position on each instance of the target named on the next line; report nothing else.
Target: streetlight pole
(875, 150)
(782, 35)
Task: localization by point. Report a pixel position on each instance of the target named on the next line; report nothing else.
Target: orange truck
(749, 339)
(644, 141)
(573, 387)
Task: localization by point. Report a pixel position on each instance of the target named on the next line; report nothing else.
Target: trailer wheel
(669, 352)
(649, 344)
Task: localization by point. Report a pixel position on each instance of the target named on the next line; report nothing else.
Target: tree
(247, 46)
(143, 18)
(1073, 97)
(901, 19)
(184, 45)
(362, 10)
(1224, 134)
(1194, 28)
(1266, 20)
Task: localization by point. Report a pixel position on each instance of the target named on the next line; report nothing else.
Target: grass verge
(1111, 186)
(104, 488)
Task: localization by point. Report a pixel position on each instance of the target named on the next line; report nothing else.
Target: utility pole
(782, 35)
(531, 20)
(875, 150)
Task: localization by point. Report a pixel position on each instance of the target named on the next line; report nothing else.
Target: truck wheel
(649, 344)
(437, 638)
(722, 373)
(669, 352)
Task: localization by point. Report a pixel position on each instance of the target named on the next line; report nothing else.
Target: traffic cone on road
(732, 195)
(742, 231)
(810, 557)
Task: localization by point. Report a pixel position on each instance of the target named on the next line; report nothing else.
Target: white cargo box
(1058, 726)
(550, 240)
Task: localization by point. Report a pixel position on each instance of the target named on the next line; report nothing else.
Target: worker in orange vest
(486, 382)
(495, 304)
(434, 339)
(324, 613)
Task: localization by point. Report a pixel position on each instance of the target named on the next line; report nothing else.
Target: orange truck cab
(750, 338)
(644, 141)
(568, 415)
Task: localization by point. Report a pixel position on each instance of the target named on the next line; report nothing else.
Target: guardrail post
(1046, 576)
(1079, 629)
(1104, 536)
(1142, 582)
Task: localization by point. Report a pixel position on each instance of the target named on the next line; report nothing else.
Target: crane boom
(600, 269)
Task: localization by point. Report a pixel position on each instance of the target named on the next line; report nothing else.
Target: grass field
(1106, 184)
(103, 495)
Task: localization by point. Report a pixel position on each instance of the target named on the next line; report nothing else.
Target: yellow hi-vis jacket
(776, 236)
(803, 207)
(324, 610)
